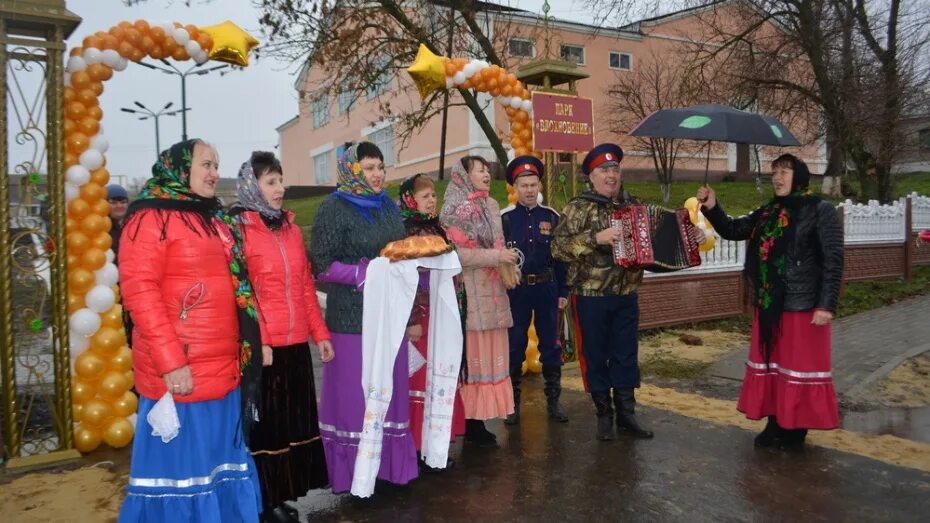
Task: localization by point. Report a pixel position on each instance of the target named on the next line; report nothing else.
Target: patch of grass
(867, 295)
(913, 182)
(665, 364)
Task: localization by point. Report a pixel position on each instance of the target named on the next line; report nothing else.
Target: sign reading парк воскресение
(562, 123)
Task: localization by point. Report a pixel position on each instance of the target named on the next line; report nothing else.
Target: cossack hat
(605, 154)
(524, 166)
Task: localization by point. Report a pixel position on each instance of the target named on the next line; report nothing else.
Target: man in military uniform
(605, 293)
(528, 227)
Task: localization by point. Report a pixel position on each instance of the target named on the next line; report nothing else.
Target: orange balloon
(157, 34)
(113, 317)
(110, 41)
(126, 405)
(134, 37)
(168, 46)
(142, 26)
(96, 87)
(506, 90)
(75, 301)
(80, 79)
(80, 280)
(76, 51)
(481, 86)
(75, 110)
(467, 84)
(89, 366)
(118, 433)
(97, 412)
(88, 126)
(77, 242)
(118, 32)
(100, 176)
(95, 112)
(70, 224)
(516, 127)
(157, 52)
(86, 438)
(450, 69)
(70, 159)
(93, 41)
(137, 54)
(125, 49)
(113, 385)
(87, 97)
(69, 94)
(131, 377)
(192, 31)
(73, 261)
(77, 412)
(93, 259)
(77, 142)
(206, 41)
(147, 44)
(70, 126)
(107, 341)
(82, 391)
(180, 54)
(101, 208)
(91, 192)
(125, 24)
(99, 72)
(122, 360)
(522, 116)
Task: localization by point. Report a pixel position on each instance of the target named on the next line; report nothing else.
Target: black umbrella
(715, 123)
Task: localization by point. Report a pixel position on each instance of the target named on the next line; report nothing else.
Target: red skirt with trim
(796, 386)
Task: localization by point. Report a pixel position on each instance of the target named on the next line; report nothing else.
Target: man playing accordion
(604, 285)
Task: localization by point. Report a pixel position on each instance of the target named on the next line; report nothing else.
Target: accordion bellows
(654, 239)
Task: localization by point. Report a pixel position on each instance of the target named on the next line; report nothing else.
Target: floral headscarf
(465, 213)
(352, 187)
(251, 197)
(408, 204)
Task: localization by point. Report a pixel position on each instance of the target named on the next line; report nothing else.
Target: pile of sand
(716, 344)
(908, 385)
(86, 494)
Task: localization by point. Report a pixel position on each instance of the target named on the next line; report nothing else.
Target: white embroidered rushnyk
(164, 418)
(388, 298)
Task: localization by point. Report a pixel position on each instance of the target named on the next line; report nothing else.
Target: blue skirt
(205, 474)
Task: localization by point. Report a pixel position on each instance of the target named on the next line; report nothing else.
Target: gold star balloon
(230, 43)
(428, 72)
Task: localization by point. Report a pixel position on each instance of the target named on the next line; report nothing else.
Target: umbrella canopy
(713, 122)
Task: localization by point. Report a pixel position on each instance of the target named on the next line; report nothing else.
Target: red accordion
(654, 239)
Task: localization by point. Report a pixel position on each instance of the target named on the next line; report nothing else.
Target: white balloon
(121, 65)
(77, 174)
(91, 159)
(449, 83)
(110, 58)
(107, 275)
(170, 29)
(100, 298)
(67, 79)
(110, 255)
(100, 143)
(516, 102)
(71, 191)
(192, 47)
(76, 63)
(470, 69)
(77, 344)
(201, 57)
(181, 36)
(92, 55)
(84, 322)
(458, 78)
(527, 105)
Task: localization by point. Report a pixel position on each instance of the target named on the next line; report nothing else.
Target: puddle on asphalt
(909, 423)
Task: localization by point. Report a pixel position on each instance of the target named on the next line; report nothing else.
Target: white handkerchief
(415, 360)
(164, 419)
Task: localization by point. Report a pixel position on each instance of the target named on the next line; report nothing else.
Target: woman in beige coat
(472, 222)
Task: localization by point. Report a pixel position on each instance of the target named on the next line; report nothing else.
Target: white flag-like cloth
(164, 418)
(390, 289)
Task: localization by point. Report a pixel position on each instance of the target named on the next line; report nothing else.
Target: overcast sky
(238, 111)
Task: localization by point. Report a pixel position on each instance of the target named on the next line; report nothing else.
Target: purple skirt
(342, 407)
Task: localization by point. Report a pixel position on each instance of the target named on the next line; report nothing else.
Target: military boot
(625, 403)
(553, 388)
(605, 415)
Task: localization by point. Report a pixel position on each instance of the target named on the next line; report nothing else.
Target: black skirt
(286, 442)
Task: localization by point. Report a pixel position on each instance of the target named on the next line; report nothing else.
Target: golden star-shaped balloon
(230, 43)
(428, 72)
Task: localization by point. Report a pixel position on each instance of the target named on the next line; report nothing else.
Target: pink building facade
(311, 141)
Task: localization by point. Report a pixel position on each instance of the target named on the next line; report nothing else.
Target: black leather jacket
(815, 257)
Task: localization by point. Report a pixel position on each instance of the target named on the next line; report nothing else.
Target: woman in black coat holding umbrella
(794, 262)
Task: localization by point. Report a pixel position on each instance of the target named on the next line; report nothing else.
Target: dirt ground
(908, 385)
(86, 494)
(715, 345)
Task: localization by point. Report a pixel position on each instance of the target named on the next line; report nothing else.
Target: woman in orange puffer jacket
(193, 329)
(286, 441)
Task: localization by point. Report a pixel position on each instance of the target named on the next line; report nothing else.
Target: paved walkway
(866, 346)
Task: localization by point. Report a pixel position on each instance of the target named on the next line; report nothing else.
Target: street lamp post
(148, 113)
(171, 69)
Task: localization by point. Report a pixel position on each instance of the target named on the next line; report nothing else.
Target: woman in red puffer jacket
(286, 442)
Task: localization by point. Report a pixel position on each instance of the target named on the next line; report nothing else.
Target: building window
(321, 168)
(621, 61)
(320, 109)
(923, 139)
(384, 139)
(521, 48)
(383, 82)
(345, 100)
(572, 53)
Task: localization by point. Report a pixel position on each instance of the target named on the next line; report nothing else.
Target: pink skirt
(487, 392)
(796, 386)
(418, 397)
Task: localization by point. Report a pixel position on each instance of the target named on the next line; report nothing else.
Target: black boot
(476, 432)
(280, 514)
(553, 388)
(771, 435)
(516, 375)
(792, 439)
(625, 403)
(605, 415)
